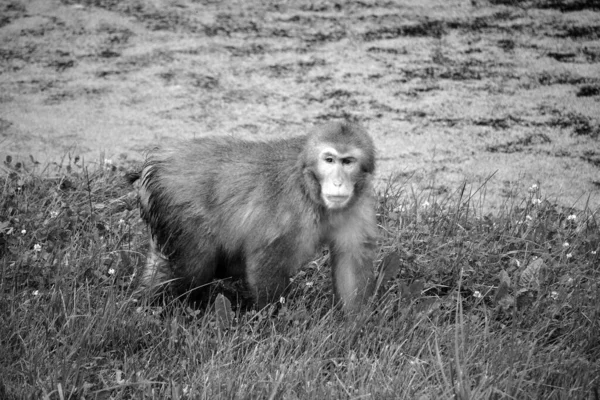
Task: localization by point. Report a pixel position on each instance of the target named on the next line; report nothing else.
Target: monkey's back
(235, 196)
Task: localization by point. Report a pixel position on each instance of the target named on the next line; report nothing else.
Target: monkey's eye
(348, 161)
(329, 160)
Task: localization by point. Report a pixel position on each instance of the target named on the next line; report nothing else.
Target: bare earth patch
(450, 90)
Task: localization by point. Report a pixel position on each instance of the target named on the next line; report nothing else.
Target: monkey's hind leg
(266, 279)
(156, 272)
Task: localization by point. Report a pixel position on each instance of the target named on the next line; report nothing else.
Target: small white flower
(53, 214)
(282, 300)
(554, 295)
(528, 217)
(533, 188)
(536, 202)
(111, 271)
(477, 294)
(593, 252)
(37, 247)
(571, 217)
(310, 284)
(566, 244)
(23, 232)
(121, 221)
(425, 204)
(108, 161)
(569, 255)
(35, 293)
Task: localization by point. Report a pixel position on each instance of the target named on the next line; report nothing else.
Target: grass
(470, 305)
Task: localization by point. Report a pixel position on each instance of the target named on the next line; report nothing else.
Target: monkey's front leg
(353, 278)
(352, 251)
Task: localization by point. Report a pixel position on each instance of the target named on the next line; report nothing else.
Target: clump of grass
(469, 305)
(582, 125)
(588, 90)
(562, 5)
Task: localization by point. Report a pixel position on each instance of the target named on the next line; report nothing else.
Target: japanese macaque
(222, 207)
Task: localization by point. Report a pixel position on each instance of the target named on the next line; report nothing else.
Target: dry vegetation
(449, 89)
(472, 303)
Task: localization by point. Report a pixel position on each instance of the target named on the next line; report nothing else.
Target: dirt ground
(450, 90)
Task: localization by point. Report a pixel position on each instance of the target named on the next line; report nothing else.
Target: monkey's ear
(131, 177)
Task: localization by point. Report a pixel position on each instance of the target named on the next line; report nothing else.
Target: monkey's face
(337, 173)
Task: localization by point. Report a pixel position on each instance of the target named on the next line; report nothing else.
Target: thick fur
(220, 207)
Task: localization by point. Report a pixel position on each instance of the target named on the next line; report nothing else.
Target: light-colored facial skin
(337, 171)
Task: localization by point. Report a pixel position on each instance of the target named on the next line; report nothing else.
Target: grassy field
(469, 306)
(485, 117)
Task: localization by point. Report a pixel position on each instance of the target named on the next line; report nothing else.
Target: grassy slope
(447, 320)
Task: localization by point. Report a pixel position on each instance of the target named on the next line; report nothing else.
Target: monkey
(221, 207)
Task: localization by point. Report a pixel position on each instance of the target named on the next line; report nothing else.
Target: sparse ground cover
(451, 89)
(486, 113)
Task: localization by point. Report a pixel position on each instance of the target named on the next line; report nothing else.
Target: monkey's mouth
(337, 201)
